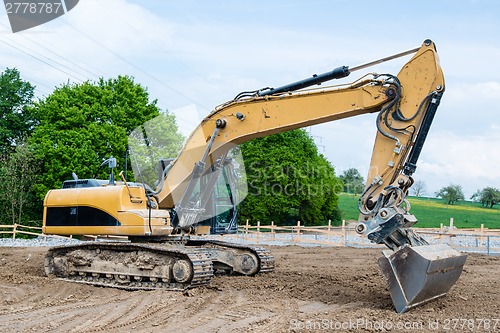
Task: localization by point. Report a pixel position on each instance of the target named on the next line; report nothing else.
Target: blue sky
(202, 53)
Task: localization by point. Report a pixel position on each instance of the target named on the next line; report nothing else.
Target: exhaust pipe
(419, 274)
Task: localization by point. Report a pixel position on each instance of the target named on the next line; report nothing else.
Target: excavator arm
(243, 120)
(406, 104)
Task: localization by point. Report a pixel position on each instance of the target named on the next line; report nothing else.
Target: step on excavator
(194, 193)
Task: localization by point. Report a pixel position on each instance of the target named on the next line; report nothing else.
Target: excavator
(162, 225)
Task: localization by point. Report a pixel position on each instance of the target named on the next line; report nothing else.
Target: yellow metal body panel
(265, 116)
(420, 76)
(132, 214)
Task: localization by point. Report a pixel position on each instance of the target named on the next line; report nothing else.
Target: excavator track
(265, 259)
(130, 266)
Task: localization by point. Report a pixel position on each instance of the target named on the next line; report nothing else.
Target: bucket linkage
(416, 271)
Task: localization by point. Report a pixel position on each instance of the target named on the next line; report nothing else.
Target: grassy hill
(432, 212)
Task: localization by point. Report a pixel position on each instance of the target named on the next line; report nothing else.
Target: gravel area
(41, 241)
(465, 243)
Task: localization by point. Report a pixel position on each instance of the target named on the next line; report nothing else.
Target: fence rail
(20, 229)
(481, 240)
(329, 229)
(15, 229)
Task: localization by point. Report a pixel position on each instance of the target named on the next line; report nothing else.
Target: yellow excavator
(160, 224)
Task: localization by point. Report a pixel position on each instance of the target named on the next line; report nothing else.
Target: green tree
(17, 175)
(81, 125)
(451, 193)
(488, 196)
(353, 181)
(158, 138)
(288, 180)
(15, 95)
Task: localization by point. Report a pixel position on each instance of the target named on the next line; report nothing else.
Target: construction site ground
(312, 289)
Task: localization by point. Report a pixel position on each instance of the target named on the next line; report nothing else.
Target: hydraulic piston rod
(337, 73)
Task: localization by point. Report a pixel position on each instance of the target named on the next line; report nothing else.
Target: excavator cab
(221, 210)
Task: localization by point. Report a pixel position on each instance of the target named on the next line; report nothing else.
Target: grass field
(432, 212)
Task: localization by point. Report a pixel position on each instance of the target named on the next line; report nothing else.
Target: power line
(65, 59)
(67, 55)
(133, 65)
(41, 60)
(160, 47)
(42, 55)
(71, 72)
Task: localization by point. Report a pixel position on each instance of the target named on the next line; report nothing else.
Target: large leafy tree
(18, 172)
(288, 180)
(15, 123)
(158, 138)
(353, 181)
(488, 196)
(81, 125)
(451, 193)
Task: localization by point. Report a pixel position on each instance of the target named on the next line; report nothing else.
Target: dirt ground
(311, 290)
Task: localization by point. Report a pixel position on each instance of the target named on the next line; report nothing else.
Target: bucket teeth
(419, 274)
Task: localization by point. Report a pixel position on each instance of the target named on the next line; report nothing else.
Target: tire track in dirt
(309, 284)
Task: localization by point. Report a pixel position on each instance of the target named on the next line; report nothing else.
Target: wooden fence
(15, 229)
(329, 230)
(482, 240)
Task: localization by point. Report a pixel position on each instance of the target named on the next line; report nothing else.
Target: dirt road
(311, 290)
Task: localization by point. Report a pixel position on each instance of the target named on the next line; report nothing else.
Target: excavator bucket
(419, 274)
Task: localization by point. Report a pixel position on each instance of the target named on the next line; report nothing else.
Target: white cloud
(86, 43)
(187, 118)
(474, 93)
(470, 161)
(470, 60)
(347, 143)
(447, 157)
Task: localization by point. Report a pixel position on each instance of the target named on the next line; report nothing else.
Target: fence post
(344, 233)
(258, 231)
(272, 229)
(298, 228)
(246, 230)
(451, 223)
(481, 239)
(14, 230)
(441, 232)
(488, 244)
(329, 230)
